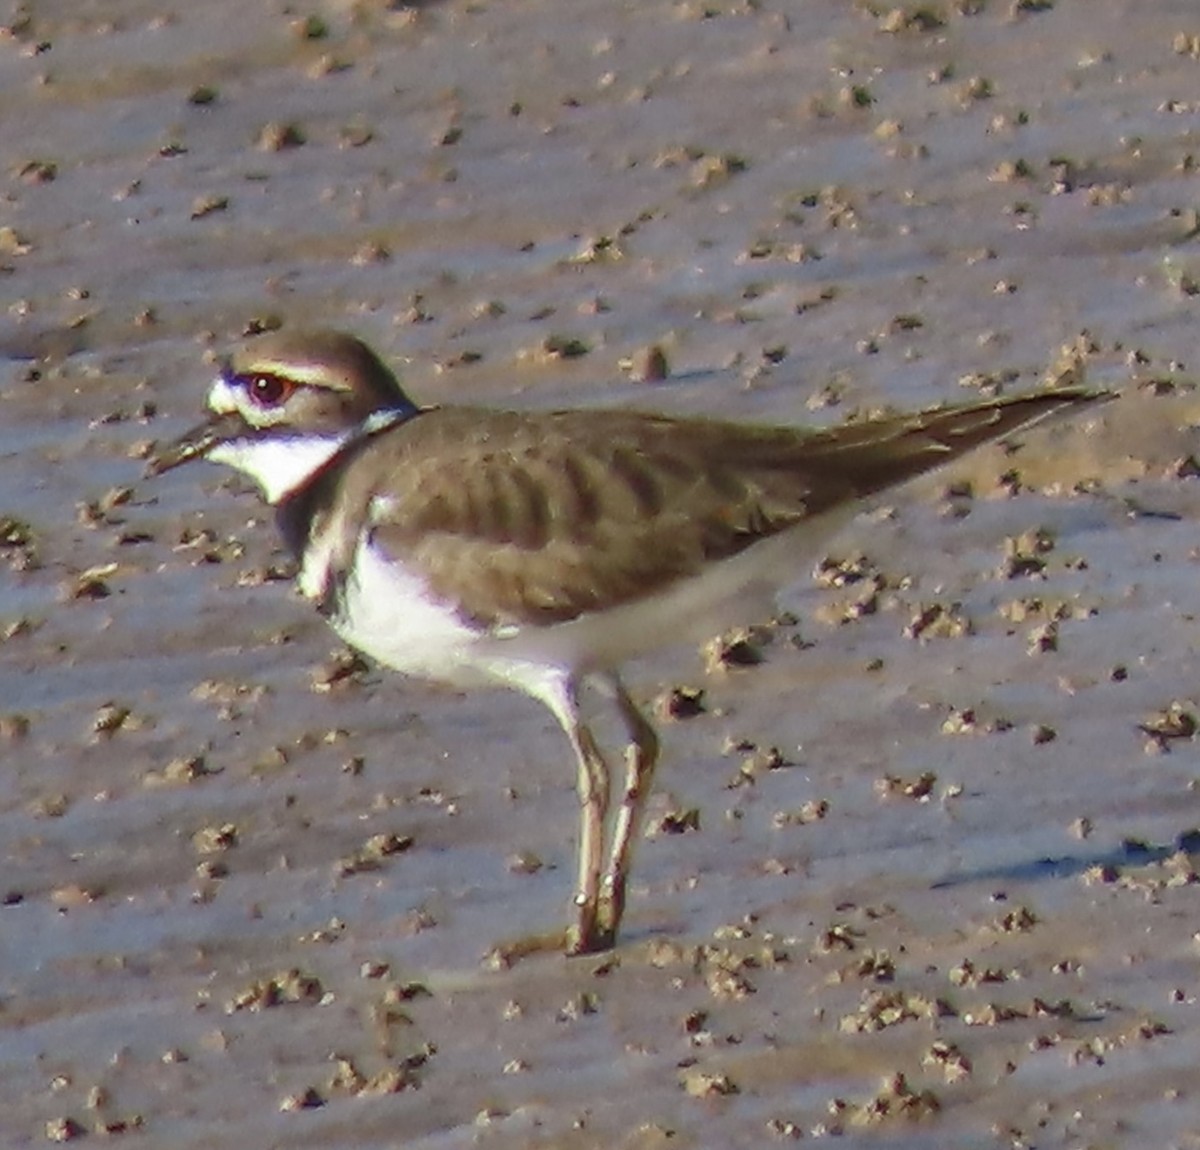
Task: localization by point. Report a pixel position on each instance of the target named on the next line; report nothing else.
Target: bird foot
(594, 930)
(511, 951)
(571, 941)
(599, 938)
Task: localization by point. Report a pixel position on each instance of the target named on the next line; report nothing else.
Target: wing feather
(540, 517)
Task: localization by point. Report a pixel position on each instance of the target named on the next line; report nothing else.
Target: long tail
(877, 454)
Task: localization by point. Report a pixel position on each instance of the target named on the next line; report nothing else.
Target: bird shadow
(1130, 852)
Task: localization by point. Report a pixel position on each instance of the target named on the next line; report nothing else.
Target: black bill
(196, 443)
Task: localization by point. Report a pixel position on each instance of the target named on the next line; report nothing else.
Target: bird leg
(641, 758)
(593, 784)
(599, 902)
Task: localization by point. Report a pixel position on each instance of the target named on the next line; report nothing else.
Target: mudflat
(921, 869)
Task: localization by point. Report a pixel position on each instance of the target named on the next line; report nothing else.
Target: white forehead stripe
(222, 397)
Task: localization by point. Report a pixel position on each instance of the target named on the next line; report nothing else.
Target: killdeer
(542, 550)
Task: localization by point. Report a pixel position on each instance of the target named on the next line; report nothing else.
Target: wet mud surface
(939, 888)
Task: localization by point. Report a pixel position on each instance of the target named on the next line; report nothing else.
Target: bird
(543, 550)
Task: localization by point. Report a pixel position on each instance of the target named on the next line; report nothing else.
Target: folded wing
(540, 517)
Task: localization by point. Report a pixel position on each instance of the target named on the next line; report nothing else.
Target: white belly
(389, 614)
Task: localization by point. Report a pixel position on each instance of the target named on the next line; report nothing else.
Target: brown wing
(539, 517)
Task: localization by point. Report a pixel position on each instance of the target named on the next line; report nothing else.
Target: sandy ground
(941, 892)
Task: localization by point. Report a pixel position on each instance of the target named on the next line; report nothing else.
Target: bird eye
(267, 390)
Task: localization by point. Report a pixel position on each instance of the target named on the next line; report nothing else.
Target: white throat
(280, 465)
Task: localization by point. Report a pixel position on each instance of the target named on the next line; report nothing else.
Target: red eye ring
(267, 390)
